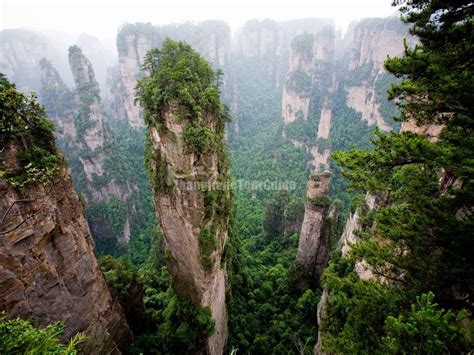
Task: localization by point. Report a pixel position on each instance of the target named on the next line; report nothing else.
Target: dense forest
(197, 269)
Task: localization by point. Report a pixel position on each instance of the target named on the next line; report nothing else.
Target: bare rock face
(369, 43)
(373, 39)
(364, 99)
(310, 75)
(308, 55)
(431, 131)
(258, 39)
(186, 219)
(313, 248)
(92, 131)
(84, 135)
(48, 267)
(58, 99)
(190, 178)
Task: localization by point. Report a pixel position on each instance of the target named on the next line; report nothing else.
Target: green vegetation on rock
(418, 241)
(18, 336)
(24, 124)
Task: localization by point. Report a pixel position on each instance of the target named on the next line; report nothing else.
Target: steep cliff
(21, 52)
(369, 43)
(210, 38)
(88, 143)
(48, 268)
(307, 95)
(318, 223)
(100, 55)
(189, 171)
(59, 102)
(269, 39)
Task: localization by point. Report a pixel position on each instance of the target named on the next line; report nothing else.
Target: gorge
(284, 187)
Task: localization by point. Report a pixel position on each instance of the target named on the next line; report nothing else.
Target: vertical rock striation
(307, 95)
(210, 38)
(59, 102)
(48, 268)
(319, 217)
(88, 143)
(187, 150)
(369, 43)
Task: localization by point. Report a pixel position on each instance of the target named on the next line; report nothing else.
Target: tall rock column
(87, 141)
(48, 268)
(189, 170)
(96, 166)
(90, 120)
(319, 216)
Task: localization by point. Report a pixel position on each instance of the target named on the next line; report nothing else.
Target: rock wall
(21, 52)
(309, 55)
(369, 43)
(58, 100)
(94, 136)
(314, 243)
(364, 99)
(186, 218)
(371, 40)
(48, 267)
(311, 82)
(210, 38)
(84, 135)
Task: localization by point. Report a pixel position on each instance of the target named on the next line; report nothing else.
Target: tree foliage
(420, 237)
(19, 336)
(24, 124)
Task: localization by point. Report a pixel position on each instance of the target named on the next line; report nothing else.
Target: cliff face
(99, 54)
(371, 40)
(21, 52)
(185, 222)
(83, 133)
(296, 95)
(267, 43)
(48, 268)
(190, 179)
(258, 39)
(210, 38)
(131, 55)
(88, 98)
(58, 99)
(319, 216)
(369, 43)
(92, 133)
(307, 95)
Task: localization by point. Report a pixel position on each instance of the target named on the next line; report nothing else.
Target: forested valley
(282, 189)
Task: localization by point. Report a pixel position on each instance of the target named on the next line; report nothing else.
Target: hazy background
(102, 17)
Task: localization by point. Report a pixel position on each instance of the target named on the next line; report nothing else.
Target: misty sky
(102, 17)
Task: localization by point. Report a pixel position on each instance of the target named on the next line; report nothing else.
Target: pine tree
(421, 238)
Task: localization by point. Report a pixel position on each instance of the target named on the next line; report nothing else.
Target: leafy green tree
(24, 123)
(420, 237)
(424, 329)
(19, 336)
